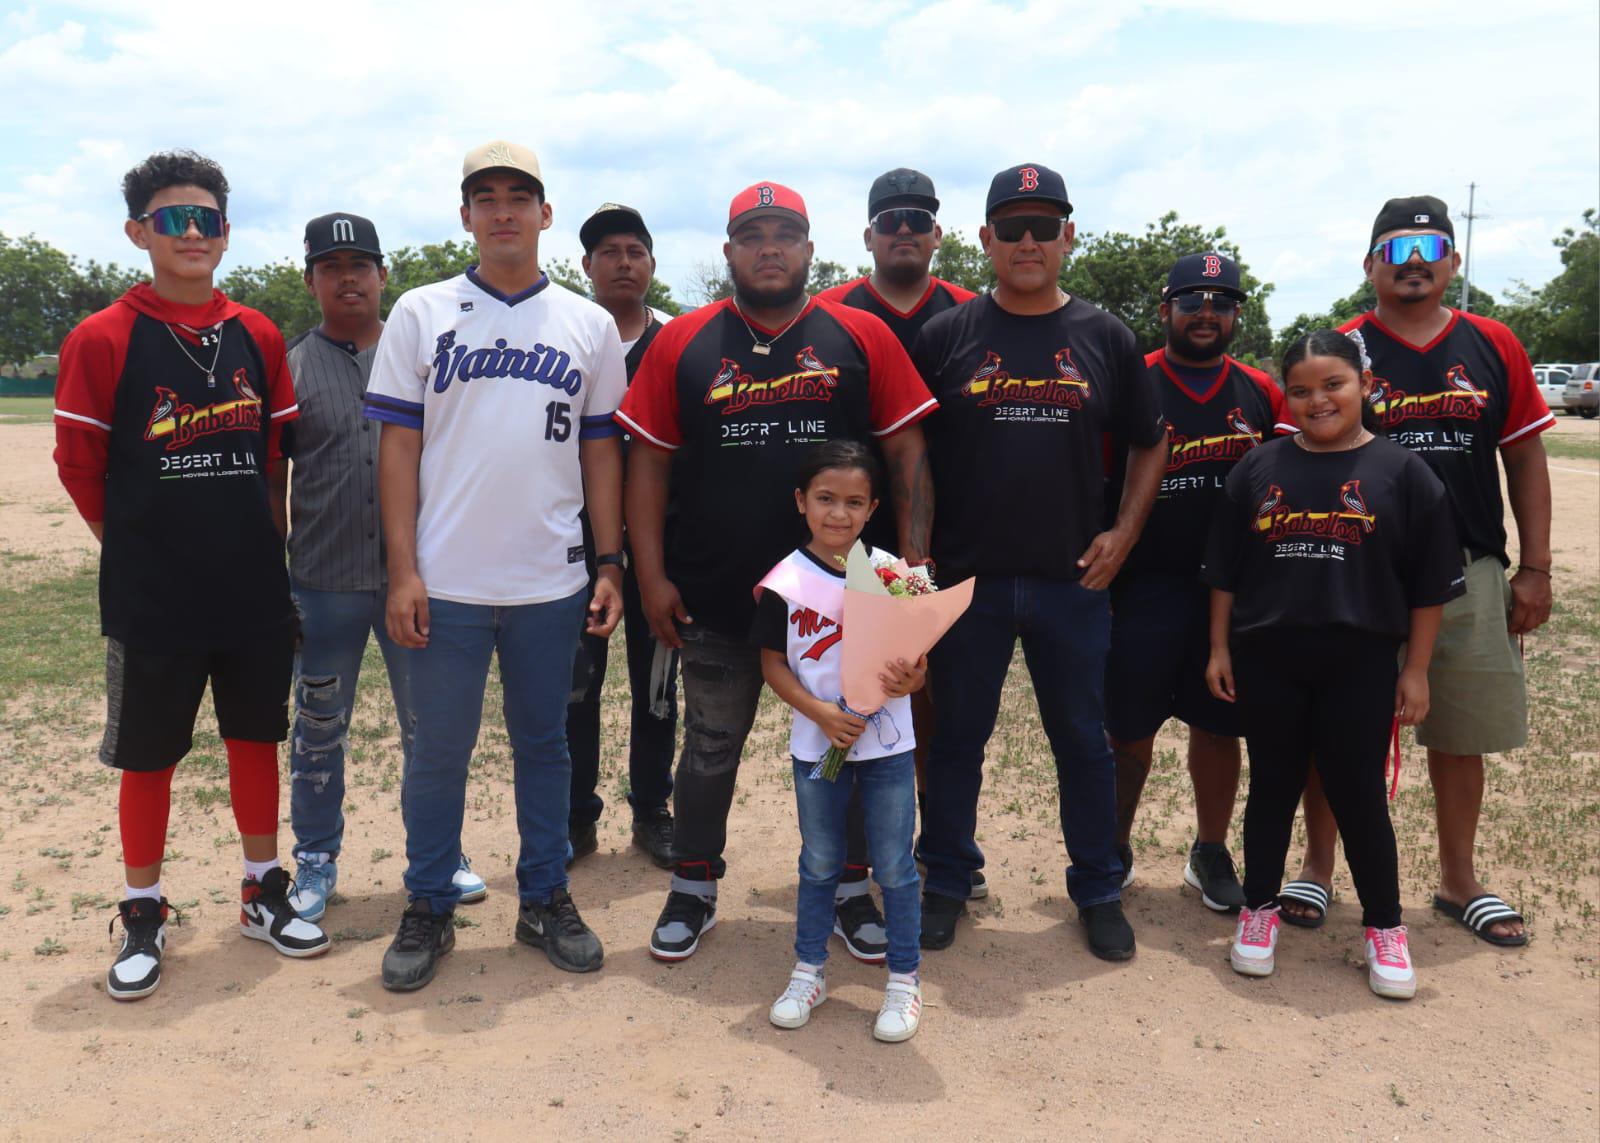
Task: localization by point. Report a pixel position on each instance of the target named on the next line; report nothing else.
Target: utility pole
(1466, 270)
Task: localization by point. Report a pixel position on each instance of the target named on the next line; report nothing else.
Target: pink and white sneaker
(1389, 969)
(1255, 942)
(806, 990)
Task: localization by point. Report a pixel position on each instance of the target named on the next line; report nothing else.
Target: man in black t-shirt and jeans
(1029, 381)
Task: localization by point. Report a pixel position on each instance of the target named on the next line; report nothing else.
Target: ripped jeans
(722, 684)
(334, 627)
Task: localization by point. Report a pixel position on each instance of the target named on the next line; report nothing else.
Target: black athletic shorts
(152, 698)
(1160, 643)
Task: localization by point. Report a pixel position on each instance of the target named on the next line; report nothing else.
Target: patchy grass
(26, 410)
(1573, 448)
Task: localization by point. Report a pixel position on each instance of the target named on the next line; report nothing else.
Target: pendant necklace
(765, 347)
(211, 373)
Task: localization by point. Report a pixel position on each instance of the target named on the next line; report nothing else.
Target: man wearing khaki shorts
(1458, 390)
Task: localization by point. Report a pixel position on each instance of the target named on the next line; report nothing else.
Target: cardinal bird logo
(722, 384)
(166, 405)
(1350, 496)
(1065, 367)
(808, 360)
(1269, 502)
(1457, 377)
(241, 382)
(986, 372)
(1236, 422)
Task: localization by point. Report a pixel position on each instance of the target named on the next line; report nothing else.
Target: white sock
(256, 870)
(848, 889)
(151, 891)
(813, 969)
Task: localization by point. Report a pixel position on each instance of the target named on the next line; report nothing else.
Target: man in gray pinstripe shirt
(336, 559)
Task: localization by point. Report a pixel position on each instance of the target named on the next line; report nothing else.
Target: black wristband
(612, 560)
(1527, 567)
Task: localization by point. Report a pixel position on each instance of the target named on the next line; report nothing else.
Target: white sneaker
(901, 1011)
(314, 883)
(1255, 941)
(806, 990)
(1389, 969)
(266, 915)
(473, 888)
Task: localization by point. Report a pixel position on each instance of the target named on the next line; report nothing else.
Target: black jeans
(721, 688)
(1320, 696)
(650, 739)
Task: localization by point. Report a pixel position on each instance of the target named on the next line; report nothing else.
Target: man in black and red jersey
(724, 407)
(1029, 381)
(902, 234)
(1458, 390)
(1217, 410)
(169, 409)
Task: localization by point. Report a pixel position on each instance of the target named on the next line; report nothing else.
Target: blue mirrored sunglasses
(1432, 247)
(174, 221)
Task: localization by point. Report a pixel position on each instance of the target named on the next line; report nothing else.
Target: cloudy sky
(1288, 123)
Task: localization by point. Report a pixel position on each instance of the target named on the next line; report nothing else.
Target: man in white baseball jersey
(496, 389)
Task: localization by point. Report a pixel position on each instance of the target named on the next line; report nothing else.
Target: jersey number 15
(557, 421)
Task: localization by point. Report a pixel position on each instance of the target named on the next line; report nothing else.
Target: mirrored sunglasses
(1432, 247)
(913, 218)
(174, 221)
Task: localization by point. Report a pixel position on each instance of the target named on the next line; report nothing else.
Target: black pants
(650, 739)
(721, 688)
(1320, 696)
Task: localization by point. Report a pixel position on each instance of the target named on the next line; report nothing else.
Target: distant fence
(27, 386)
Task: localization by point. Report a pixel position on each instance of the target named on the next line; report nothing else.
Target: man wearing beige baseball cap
(496, 389)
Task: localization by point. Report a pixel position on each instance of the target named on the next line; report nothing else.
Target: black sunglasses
(1191, 303)
(1043, 227)
(913, 218)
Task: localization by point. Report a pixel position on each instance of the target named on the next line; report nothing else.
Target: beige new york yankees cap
(500, 155)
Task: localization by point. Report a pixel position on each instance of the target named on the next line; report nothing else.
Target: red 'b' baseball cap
(763, 197)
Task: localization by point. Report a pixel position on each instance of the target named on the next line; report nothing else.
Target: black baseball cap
(901, 187)
(613, 218)
(1210, 271)
(1418, 212)
(1027, 182)
(328, 233)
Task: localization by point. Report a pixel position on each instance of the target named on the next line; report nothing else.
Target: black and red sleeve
(649, 409)
(92, 359)
(897, 396)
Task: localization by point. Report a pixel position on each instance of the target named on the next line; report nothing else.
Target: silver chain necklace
(765, 347)
(211, 373)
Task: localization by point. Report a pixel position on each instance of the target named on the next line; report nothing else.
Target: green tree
(1125, 273)
(709, 282)
(278, 290)
(96, 287)
(413, 266)
(1359, 301)
(1560, 321)
(963, 263)
(36, 288)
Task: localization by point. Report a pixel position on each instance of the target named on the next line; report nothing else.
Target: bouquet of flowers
(891, 611)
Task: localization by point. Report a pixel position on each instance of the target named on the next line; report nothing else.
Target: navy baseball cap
(1211, 271)
(613, 218)
(1027, 182)
(329, 233)
(901, 187)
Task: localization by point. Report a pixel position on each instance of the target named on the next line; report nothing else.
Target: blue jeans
(535, 644)
(333, 640)
(1066, 633)
(888, 788)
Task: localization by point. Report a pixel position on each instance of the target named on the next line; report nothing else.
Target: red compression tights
(146, 800)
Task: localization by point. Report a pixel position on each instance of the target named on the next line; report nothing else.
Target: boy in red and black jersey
(724, 407)
(1458, 390)
(169, 408)
(1218, 411)
(902, 234)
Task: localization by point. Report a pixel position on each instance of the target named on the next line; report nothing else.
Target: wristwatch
(611, 559)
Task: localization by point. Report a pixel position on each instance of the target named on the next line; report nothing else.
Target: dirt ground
(1025, 1034)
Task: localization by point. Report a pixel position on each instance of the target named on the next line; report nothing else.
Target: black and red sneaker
(137, 970)
(266, 915)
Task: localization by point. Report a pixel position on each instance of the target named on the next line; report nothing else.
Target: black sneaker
(653, 834)
(412, 957)
(584, 840)
(1125, 855)
(939, 914)
(1110, 935)
(560, 932)
(137, 970)
(980, 886)
(1211, 871)
(687, 918)
(856, 919)
(266, 915)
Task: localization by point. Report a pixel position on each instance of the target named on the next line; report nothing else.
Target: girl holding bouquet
(798, 632)
(1330, 551)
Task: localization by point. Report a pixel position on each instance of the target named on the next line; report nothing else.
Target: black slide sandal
(1479, 913)
(1305, 893)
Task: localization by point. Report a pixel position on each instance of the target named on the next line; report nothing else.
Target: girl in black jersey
(1329, 550)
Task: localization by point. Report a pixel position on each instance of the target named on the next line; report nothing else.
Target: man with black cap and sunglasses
(1458, 389)
(1030, 380)
(619, 259)
(336, 558)
(902, 234)
(1217, 410)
